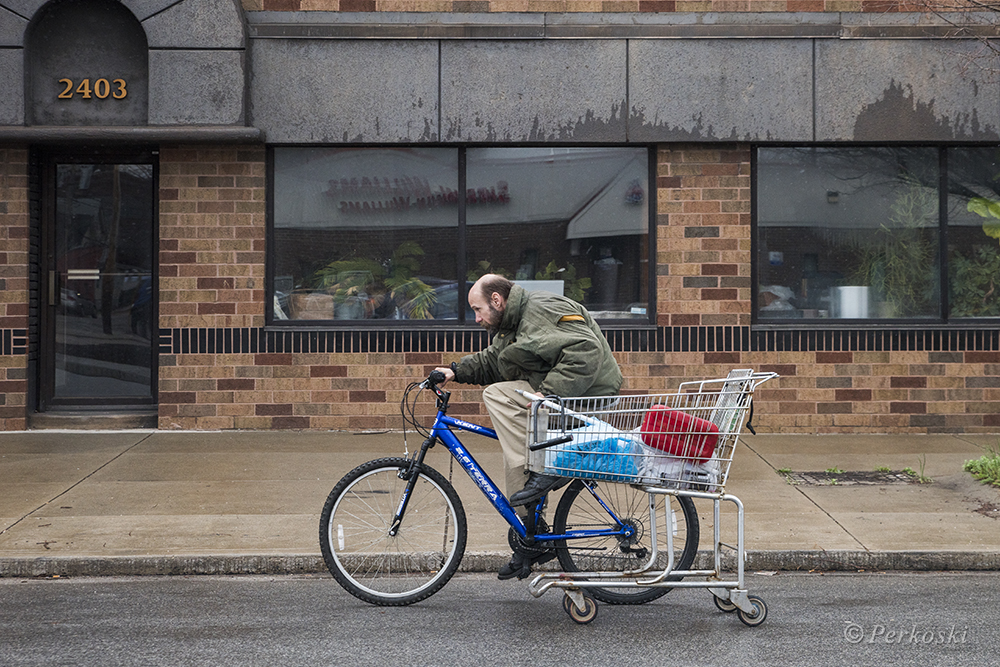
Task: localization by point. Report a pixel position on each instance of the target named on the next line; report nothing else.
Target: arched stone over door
(86, 64)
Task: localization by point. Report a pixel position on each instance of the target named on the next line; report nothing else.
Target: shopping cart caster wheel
(588, 614)
(724, 605)
(757, 617)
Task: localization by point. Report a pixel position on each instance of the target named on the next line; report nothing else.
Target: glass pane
(365, 233)
(974, 232)
(848, 233)
(104, 317)
(571, 220)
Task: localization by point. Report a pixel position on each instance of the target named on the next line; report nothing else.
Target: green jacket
(551, 342)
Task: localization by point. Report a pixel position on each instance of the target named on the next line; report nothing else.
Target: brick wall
(212, 229)
(13, 287)
(651, 6)
(703, 236)
(212, 234)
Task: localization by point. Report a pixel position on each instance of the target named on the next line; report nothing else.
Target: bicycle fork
(410, 475)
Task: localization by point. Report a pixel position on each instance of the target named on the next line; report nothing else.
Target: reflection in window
(849, 233)
(374, 233)
(571, 220)
(365, 234)
(104, 315)
(974, 232)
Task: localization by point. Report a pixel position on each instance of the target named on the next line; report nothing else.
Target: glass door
(99, 329)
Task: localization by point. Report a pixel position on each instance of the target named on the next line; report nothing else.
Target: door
(99, 283)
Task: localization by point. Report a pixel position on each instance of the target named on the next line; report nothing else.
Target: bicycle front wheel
(579, 509)
(384, 569)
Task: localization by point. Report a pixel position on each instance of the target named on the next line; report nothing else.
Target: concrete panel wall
(576, 90)
(143, 9)
(197, 24)
(11, 82)
(25, 8)
(330, 91)
(712, 90)
(539, 90)
(192, 87)
(11, 29)
(903, 90)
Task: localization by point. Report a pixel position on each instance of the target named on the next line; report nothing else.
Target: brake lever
(433, 380)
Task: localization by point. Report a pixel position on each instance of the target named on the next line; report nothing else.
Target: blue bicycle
(393, 530)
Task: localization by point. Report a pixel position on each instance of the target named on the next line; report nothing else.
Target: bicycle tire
(578, 510)
(392, 570)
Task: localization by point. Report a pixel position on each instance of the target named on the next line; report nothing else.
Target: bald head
(491, 283)
(488, 300)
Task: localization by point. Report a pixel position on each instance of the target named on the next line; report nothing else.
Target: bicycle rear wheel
(579, 510)
(384, 569)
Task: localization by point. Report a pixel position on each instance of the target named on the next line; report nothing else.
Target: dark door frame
(48, 158)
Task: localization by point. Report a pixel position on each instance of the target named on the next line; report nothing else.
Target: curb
(826, 561)
(869, 561)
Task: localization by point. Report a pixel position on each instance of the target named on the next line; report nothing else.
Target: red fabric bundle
(678, 433)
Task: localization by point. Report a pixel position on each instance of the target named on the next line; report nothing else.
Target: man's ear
(496, 300)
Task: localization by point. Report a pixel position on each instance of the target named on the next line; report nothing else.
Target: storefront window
(376, 234)
(848, 233)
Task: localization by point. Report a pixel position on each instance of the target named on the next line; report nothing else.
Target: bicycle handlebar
(551, 443)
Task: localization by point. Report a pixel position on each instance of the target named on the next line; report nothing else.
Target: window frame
(942, 320)
(649, 322)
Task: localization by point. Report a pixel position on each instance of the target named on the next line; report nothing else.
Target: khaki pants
(509, 412)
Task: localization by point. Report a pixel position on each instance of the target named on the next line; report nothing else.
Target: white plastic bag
(659, 469)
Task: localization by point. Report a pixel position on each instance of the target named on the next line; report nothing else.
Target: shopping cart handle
(550, 443)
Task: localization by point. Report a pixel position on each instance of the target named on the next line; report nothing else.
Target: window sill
(422, 325)
(873, 325)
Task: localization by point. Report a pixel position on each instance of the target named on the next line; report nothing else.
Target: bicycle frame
(441, 432)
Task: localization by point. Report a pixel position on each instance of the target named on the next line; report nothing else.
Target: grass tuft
(986, 468)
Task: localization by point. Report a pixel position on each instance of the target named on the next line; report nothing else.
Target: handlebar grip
(436, 377)
(551, 443)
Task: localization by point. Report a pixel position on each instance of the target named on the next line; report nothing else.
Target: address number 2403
(100, 88)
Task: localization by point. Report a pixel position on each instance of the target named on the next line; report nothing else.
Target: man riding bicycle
(543, 344)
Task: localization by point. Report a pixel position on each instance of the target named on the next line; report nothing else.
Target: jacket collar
(514, 309)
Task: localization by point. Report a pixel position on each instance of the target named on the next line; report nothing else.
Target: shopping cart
(679, 445)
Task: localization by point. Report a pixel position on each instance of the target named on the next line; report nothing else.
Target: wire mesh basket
(679, 441)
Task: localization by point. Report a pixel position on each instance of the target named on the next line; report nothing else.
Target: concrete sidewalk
(160, 502)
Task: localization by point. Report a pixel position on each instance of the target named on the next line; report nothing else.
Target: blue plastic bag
(612, 459)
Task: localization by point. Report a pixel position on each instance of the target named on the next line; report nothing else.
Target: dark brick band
(835, 343)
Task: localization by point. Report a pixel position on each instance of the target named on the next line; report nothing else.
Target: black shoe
(538, 485)
(520, 566)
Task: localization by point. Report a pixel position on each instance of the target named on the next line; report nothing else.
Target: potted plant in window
(975, 280)
(361, 288)
(573, 287)
(897, 260)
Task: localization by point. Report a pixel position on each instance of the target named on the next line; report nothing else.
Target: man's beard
(492, 322)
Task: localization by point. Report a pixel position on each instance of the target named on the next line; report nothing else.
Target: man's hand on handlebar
(448, 374)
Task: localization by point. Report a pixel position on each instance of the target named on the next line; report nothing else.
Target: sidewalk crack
(81, 480)
(806, 496)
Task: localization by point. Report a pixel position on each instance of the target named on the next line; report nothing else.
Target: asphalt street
(814, 619)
